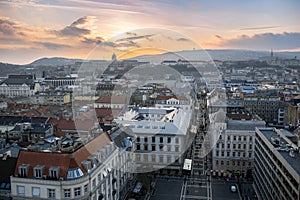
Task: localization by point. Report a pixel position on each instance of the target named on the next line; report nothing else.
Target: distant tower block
(114, 57)
(272, 53)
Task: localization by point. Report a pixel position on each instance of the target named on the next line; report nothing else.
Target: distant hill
(55, 61)
(223, 55)
(7, 68)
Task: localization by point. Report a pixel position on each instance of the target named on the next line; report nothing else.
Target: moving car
(233, 188)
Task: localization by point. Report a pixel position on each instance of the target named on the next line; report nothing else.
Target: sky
(31, 29)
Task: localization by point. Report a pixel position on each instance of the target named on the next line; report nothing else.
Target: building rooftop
(283, 146)
(171, 121)
(65, 161)
(244, 124)
(12, 120)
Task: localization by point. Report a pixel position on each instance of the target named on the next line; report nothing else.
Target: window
(21, 190)
(54, 172)
(35, 191)
(228, 137)
(51, 193)
(86, 187)
(153, 147)
(38, 171)
(77, 191)
(153, 139)
(67, 193)
(146, 147)
(23, 170)
(234, 138)
(169, 148)
(145, 139)
(169, 140)
(138, 139)
(138, 147)
(161, 139)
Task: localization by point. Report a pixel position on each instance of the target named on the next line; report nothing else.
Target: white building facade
(162, 136)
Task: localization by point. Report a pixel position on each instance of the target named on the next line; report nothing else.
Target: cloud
(79, 27)
(219, 37)
(9, 27)
(131, 34)
(98, 41)
(259, 28)
(15, 34)
(264, 41)
(183, 40)
(135, 38)
(74, 31)
(52, 46)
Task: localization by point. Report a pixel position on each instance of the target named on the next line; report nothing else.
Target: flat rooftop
(294, 162)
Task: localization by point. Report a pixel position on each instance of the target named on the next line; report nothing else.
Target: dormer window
(93, 161)
(87, 165)
(54, 172)
(38, 171)
(23, 170)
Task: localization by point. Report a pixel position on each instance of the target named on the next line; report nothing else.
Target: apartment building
(98, 170)
(18, 85)
(266, 106)
(276, 164)
(234, 151)
(162, 136)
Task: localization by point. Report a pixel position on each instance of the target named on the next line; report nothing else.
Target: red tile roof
(112, 99)
(63, 125)
(64, 161)
(106, 112)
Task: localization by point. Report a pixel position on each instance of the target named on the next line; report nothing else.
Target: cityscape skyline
(33, 29)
